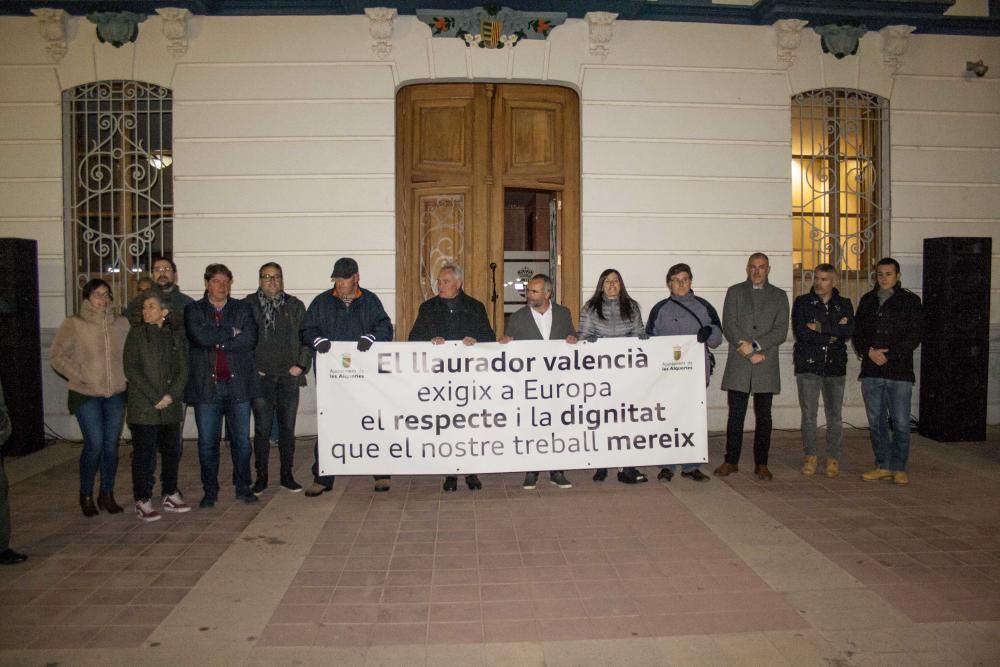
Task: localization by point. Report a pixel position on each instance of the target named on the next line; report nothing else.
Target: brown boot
(106, 501)
(762, 473)
(87, 505)
(727, 469)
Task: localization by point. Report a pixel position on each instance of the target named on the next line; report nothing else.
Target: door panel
(458, 147)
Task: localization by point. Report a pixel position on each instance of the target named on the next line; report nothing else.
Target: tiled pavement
(793, 571)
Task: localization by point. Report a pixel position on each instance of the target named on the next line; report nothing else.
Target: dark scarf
(269, 306)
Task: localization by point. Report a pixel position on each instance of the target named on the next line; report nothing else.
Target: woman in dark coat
(156, 369)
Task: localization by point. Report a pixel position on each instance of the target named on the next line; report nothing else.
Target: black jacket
(822, 352)
(896, 325)
(279, 349)
(206, 339)
(469, 319)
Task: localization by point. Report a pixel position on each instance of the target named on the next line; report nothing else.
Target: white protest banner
(417, 408)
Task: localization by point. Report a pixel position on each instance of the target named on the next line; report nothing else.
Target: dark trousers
(147, 440)
(738, 401)
(4, 510)
(279, 396)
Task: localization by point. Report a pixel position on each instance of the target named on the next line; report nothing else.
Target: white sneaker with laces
(144, 510)
(175, 503)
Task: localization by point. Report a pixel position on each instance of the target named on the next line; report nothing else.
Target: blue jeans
(208, 417)
(887, 400)
(811, 386)
(101, 421)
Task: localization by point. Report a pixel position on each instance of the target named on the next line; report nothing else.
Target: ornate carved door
(460, 147)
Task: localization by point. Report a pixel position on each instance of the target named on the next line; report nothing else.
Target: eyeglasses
(101, 295)
(163, 269)
(270, 278)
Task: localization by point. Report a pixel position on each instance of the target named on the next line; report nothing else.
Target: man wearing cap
(346, 313)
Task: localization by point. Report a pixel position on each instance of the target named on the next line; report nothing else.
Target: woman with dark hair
(612, 313)
(156, 368)
(87, 352)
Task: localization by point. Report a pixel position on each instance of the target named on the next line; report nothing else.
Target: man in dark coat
(889, 329)
(822, 321)
(755, 322)
(222, 334)
(281, 362)
(453, 315)
(346, 313)
(541, 319)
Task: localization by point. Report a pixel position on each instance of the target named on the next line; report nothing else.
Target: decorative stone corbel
(175, 28)
(895, 42)
(789, 36)
(380, 28)
(116, 28)
(601, 30)
(52, 25)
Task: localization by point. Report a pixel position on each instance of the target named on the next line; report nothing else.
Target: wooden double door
(465, 154)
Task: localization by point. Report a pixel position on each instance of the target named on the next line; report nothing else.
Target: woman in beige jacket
(87, 352)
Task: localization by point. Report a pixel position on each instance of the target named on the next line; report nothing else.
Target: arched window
(840, 193)
(119, 197)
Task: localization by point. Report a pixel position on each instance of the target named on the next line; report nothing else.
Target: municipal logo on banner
(345, 360)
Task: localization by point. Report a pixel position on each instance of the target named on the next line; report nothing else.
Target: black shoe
(259, 486)
(630, 476)
(697, 475)
(640, 476)
(207, 503)
(601, 475)
(11, 557)
(666, 474)
(472, 481)
(559, 479)
(290, 484)
(530, 481)
(450, 484)
(248, 498)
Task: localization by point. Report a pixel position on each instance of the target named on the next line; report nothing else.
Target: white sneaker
(175, 503)
(144, 510)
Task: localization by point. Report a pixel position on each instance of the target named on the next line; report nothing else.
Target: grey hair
(546, 281)
(454, 268)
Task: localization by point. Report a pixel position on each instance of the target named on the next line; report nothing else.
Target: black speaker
(954, 357)
(21, 346)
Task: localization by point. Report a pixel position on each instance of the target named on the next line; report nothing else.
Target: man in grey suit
(755, 322)
(541, 320)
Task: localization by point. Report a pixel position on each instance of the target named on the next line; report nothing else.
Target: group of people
(232, 357)
(885, 332)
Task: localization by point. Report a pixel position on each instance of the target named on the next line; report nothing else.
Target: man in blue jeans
(223, 334)
(889, 325)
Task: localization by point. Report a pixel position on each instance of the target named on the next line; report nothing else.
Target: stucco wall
(284, 150)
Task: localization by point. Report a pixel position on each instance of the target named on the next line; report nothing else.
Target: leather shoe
(601, 475)
(762, 473)
(87, 505)
(11, 557)
(727, 469)
(697, 475)
(450, 484)
(106, 501)
(472, 481)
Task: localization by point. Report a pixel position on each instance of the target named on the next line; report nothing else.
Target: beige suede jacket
(88, 351)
